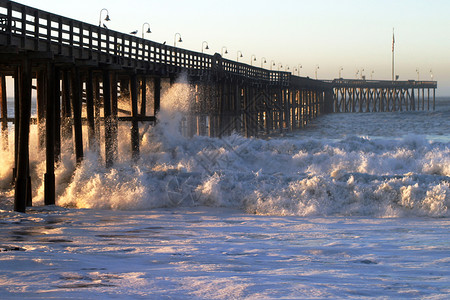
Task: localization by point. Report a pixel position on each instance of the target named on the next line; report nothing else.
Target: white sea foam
(312, 172)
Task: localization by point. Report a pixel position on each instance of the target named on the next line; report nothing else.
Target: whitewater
(352, 206)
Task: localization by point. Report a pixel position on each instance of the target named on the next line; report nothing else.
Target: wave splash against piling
(280, 176)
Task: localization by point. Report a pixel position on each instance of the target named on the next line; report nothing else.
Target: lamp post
(317, 68)
(362, 76)
(280, 66)
(175, 39)
(299, 67)
(356, 74)
(417, 71)
(148, 29)
(252, 58)
(286, 68)
(371, 74)
(263, 61)
(340, 69)
(237, 55)
(272, 63)
(203, 47)
(106, 18)
(431, 74)
(226, 50)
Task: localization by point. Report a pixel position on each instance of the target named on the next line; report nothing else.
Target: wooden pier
(383, 96)
(90, 77)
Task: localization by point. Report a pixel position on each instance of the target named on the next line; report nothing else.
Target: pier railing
(37, 30)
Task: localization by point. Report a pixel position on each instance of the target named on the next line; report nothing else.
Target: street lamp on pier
(431, 74)
(252, 58)
(226, 50)
(417, 71)
(263, 61)
(106, 18)
(237, 55)
(317, 68)
(272, 63)
(298, 69)
(280, 66)
(203, 47)
(340, 69)
(175, 39)
(371, 74)
(148, 29)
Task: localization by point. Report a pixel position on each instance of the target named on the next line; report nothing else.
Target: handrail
(24, 24)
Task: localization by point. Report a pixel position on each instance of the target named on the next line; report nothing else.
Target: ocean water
(356, 205)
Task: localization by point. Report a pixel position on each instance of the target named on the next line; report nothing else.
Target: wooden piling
(134, 114)
(4, 112)
(76, 107)
(93, 143)
(40, 106)
(109, 150)
(49, 176)
(22, 193)
(66, 106)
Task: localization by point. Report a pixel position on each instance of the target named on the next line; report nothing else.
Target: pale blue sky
(354, 34)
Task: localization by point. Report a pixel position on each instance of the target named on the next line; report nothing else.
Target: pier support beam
(93, 143)
(4, 112)
(76, 107)
(22, 191)
(109, 142)
(49, 177)
(134, 114)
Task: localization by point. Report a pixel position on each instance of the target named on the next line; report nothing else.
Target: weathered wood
(57, 100)
(109, 150)
(93, 142)
(67, 131)
(17, 95)
(134, 113)
(22, 179)
(157, 94)
(76, 108)
(49, 177)
(4, 112)
(144, 96)
(40, 107)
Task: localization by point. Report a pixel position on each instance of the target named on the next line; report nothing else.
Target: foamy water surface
(355, 205)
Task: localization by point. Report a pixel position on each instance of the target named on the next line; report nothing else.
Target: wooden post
(4, 112)
(17, 95)
(134, 114)
(76, 107)
(144, 96)
(66, 109)
(40, 106)
(49, 177)
(109, 155)
(114, 113)
(93, 143)
(57, 101)
(97, 104)
(157, 94)
(22, 178)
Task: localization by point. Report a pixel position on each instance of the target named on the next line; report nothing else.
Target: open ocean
(356, 205)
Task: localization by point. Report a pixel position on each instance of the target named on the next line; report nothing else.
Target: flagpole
(393, 42)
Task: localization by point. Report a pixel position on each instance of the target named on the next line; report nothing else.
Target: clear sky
(328, 34)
